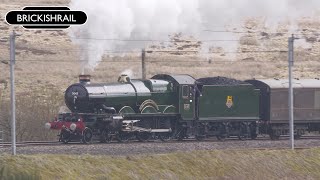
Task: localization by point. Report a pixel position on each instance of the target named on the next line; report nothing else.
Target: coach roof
(283, 83)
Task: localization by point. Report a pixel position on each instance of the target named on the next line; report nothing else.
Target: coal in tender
(224, 81)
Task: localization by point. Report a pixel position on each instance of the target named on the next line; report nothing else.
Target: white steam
(118, 20)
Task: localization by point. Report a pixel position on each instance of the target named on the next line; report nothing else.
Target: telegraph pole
(290, 105)
(12, 96)
(143, 56)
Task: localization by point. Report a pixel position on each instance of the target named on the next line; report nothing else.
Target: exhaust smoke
(111, 23)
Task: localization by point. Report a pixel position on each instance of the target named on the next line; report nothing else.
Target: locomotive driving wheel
(165, 124)
(165, 136)
(105, 136)
(87, 135)
(124, 136)
(143, 136)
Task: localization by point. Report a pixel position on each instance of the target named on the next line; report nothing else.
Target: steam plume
(156, 19)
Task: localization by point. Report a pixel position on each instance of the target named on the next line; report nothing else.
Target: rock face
(49, 58)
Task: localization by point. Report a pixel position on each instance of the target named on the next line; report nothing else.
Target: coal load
(223, 81)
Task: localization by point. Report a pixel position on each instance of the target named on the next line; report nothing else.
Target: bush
(33, 110)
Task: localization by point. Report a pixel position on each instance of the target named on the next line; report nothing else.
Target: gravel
(136, 148)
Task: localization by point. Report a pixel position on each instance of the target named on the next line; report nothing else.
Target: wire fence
(246, 56)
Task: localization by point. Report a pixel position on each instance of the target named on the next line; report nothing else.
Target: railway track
(31, 143)
(230, 139)
(157, 147)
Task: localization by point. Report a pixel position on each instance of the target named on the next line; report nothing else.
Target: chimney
(84, 79)
(123, 78)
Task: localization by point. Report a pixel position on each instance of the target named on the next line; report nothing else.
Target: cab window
(185, 91)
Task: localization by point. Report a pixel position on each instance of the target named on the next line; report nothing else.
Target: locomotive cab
(183, 87)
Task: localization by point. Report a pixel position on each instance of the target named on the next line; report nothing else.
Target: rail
(230, 139)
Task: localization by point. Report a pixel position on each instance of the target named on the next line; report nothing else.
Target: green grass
(231, 164)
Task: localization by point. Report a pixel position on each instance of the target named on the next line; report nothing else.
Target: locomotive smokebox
(84, 79)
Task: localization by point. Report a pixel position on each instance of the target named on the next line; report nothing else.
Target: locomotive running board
(128, 126)
(117, 117)
(129, 121)
(161, 130)
(140, 129)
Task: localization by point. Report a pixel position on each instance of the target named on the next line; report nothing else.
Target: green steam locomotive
(163, 107)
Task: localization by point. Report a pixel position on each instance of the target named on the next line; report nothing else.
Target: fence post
(143, 64)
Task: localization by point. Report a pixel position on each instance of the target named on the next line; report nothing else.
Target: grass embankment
(231, 164)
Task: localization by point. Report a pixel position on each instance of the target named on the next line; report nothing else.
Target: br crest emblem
(229, 102)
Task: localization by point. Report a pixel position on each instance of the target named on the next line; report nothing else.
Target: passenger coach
(274, 106)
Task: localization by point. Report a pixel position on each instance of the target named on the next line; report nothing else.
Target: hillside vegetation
(230, 164)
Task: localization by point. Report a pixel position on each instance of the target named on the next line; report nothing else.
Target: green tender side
(229, 103)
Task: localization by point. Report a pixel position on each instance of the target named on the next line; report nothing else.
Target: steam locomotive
(178, 106)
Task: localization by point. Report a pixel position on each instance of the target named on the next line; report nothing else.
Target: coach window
(185, 91)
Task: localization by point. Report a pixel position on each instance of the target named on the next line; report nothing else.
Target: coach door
(187, 102)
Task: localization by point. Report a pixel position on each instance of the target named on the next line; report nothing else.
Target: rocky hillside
(48, 59)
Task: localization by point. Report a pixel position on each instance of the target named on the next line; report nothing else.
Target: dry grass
(230, 164)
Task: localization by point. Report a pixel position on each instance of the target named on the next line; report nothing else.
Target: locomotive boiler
(125, 96)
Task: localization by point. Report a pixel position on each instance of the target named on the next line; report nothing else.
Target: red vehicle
(72, 127)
